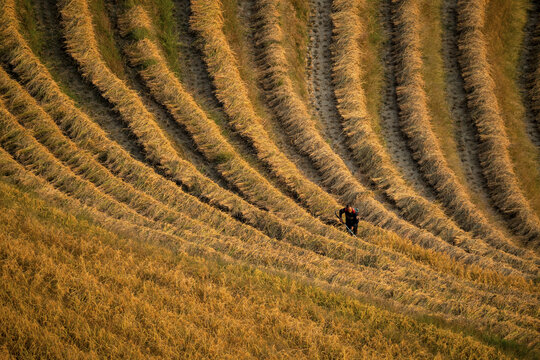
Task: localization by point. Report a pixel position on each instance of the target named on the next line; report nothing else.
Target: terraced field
(170, 172)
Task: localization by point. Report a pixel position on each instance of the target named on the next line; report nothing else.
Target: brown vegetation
(484, 108)
(370, 154)
(80, 275)
(92, 138)
(207, 272)
(299, 126)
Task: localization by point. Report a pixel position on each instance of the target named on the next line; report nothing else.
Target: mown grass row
(30, 115)
(274, 255)
(233, 94)
(82, 47)
(35, 156)
(301, 130)
(415, 122)
(78, 29)
(363, 141)
(266, 250)
(126, 297)
(36, 121)
(89, 136)
(493, 143)
(169, 92)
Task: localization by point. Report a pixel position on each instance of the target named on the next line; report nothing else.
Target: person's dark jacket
(351, 218)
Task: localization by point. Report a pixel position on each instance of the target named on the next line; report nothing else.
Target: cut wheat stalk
(297, 123)
(485, 112)
(415, 122)
(82, 46)
(89, 136)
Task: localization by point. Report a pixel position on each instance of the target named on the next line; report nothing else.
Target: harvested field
(170, 173)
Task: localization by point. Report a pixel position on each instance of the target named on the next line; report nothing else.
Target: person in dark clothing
(351, 218)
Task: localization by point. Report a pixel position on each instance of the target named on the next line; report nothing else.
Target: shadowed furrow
(415, 123)
(485, 112)
(368, 152)
(169, 176)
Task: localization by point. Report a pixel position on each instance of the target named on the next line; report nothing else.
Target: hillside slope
(170, 172)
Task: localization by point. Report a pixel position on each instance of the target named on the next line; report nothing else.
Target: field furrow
(301, 130)
(170, 173)
(415, 122)
(485, 113)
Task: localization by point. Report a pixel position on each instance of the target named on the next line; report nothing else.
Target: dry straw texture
(484, 108)
(15, 140)
(92, 138)
(80, 274)
(300, 128)
(372, 157)
(81, 44)
(150, 296)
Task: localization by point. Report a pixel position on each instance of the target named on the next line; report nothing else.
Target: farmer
(351, 218)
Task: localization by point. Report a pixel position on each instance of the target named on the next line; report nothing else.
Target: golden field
(170, 172)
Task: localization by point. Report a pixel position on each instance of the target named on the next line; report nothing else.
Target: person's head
(349, 208)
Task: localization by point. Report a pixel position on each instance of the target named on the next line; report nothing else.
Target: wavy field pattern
(170, 172)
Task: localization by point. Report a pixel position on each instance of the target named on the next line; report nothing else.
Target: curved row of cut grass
(362, 140)
(493, 143)
(15, 140)
(81, 45)
(232, 93)
(74, 122)
(359, 282)
(367, 280)
(180, 295)
(89, 136)
(265, 250)
(300, 128)
(170, 101)
(415, 122)
(30, 115)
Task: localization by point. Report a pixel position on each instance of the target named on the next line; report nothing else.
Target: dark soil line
(466, 134)
(395, 140)
(528, 63)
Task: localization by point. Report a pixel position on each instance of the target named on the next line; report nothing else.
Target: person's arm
(341, 211)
